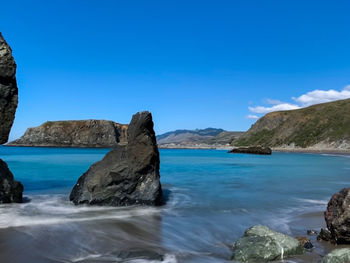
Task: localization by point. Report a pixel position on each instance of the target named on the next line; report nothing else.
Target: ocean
(211, 198)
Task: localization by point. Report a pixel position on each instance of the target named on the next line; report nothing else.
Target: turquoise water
(212, 197)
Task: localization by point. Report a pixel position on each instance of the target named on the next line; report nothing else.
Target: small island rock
(261, 244)
(128, 175)
(337, 216)
(252, 150)
(82, 133)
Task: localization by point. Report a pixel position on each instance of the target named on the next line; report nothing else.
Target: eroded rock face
(10, 190)
(128, 175)
(82, 133)
(337, 216)
(261, 244)
(8, 90)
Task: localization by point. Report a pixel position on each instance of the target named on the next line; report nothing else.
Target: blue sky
(193, 64)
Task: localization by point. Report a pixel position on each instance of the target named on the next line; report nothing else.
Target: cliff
(84, 133)
(8, 90)
(321, 126)
(206, 138)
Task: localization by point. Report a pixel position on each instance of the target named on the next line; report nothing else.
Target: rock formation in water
(8, 90)
(318, 127)
(84, 133)
(128, 175)
(337, 216)
(261, 244)
(252, 150)
(10, 190)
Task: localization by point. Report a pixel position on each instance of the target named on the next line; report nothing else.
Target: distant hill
(209, 137)
(321, 126)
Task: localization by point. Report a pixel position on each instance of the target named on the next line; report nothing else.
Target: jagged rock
(252, 150)
(324, 235)
(341, 255)
(10, 190)
(337, 216)
(127, 175)
(8, 90)
(84, 133)
(261, 244)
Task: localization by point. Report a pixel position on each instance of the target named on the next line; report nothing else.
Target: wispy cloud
(252, 117)
(307, 99)
(320, 96)
(278, 107)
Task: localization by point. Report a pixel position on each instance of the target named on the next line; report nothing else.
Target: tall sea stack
(128, 175)
(10, 190)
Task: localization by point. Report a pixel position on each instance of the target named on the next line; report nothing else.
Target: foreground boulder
(8, 90)
(128, 175)
(252, 150)
(337, 216)
(261, 244)
(341, 255)
(10, 190)
(83, 133)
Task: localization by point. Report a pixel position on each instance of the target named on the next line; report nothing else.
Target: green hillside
(327, 123)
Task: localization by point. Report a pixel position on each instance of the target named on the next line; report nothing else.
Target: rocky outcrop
(8, 90)
(337, 216)
(10, 190)
(128, 175)
(261, 244)
(341, 255)
(252, 150)
(84, 133)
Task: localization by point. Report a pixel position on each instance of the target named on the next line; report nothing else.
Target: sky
(193, 64)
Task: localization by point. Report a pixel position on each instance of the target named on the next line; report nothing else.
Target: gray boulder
(261, 244)
(10, 190)
(341, 255)
(128, 175)
(8, 90)
(337, 216)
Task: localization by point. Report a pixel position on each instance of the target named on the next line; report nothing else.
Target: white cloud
(307, 99)
(320, 96)
(252, 117)
(278, 107)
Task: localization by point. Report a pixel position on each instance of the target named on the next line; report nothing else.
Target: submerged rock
(337, 216)
(261, 244)
(8, 90)
(324, 235)
(305, 242)
(10, 190)
(83, 133)
(341, 255)
(252, 150)
(127, 175)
